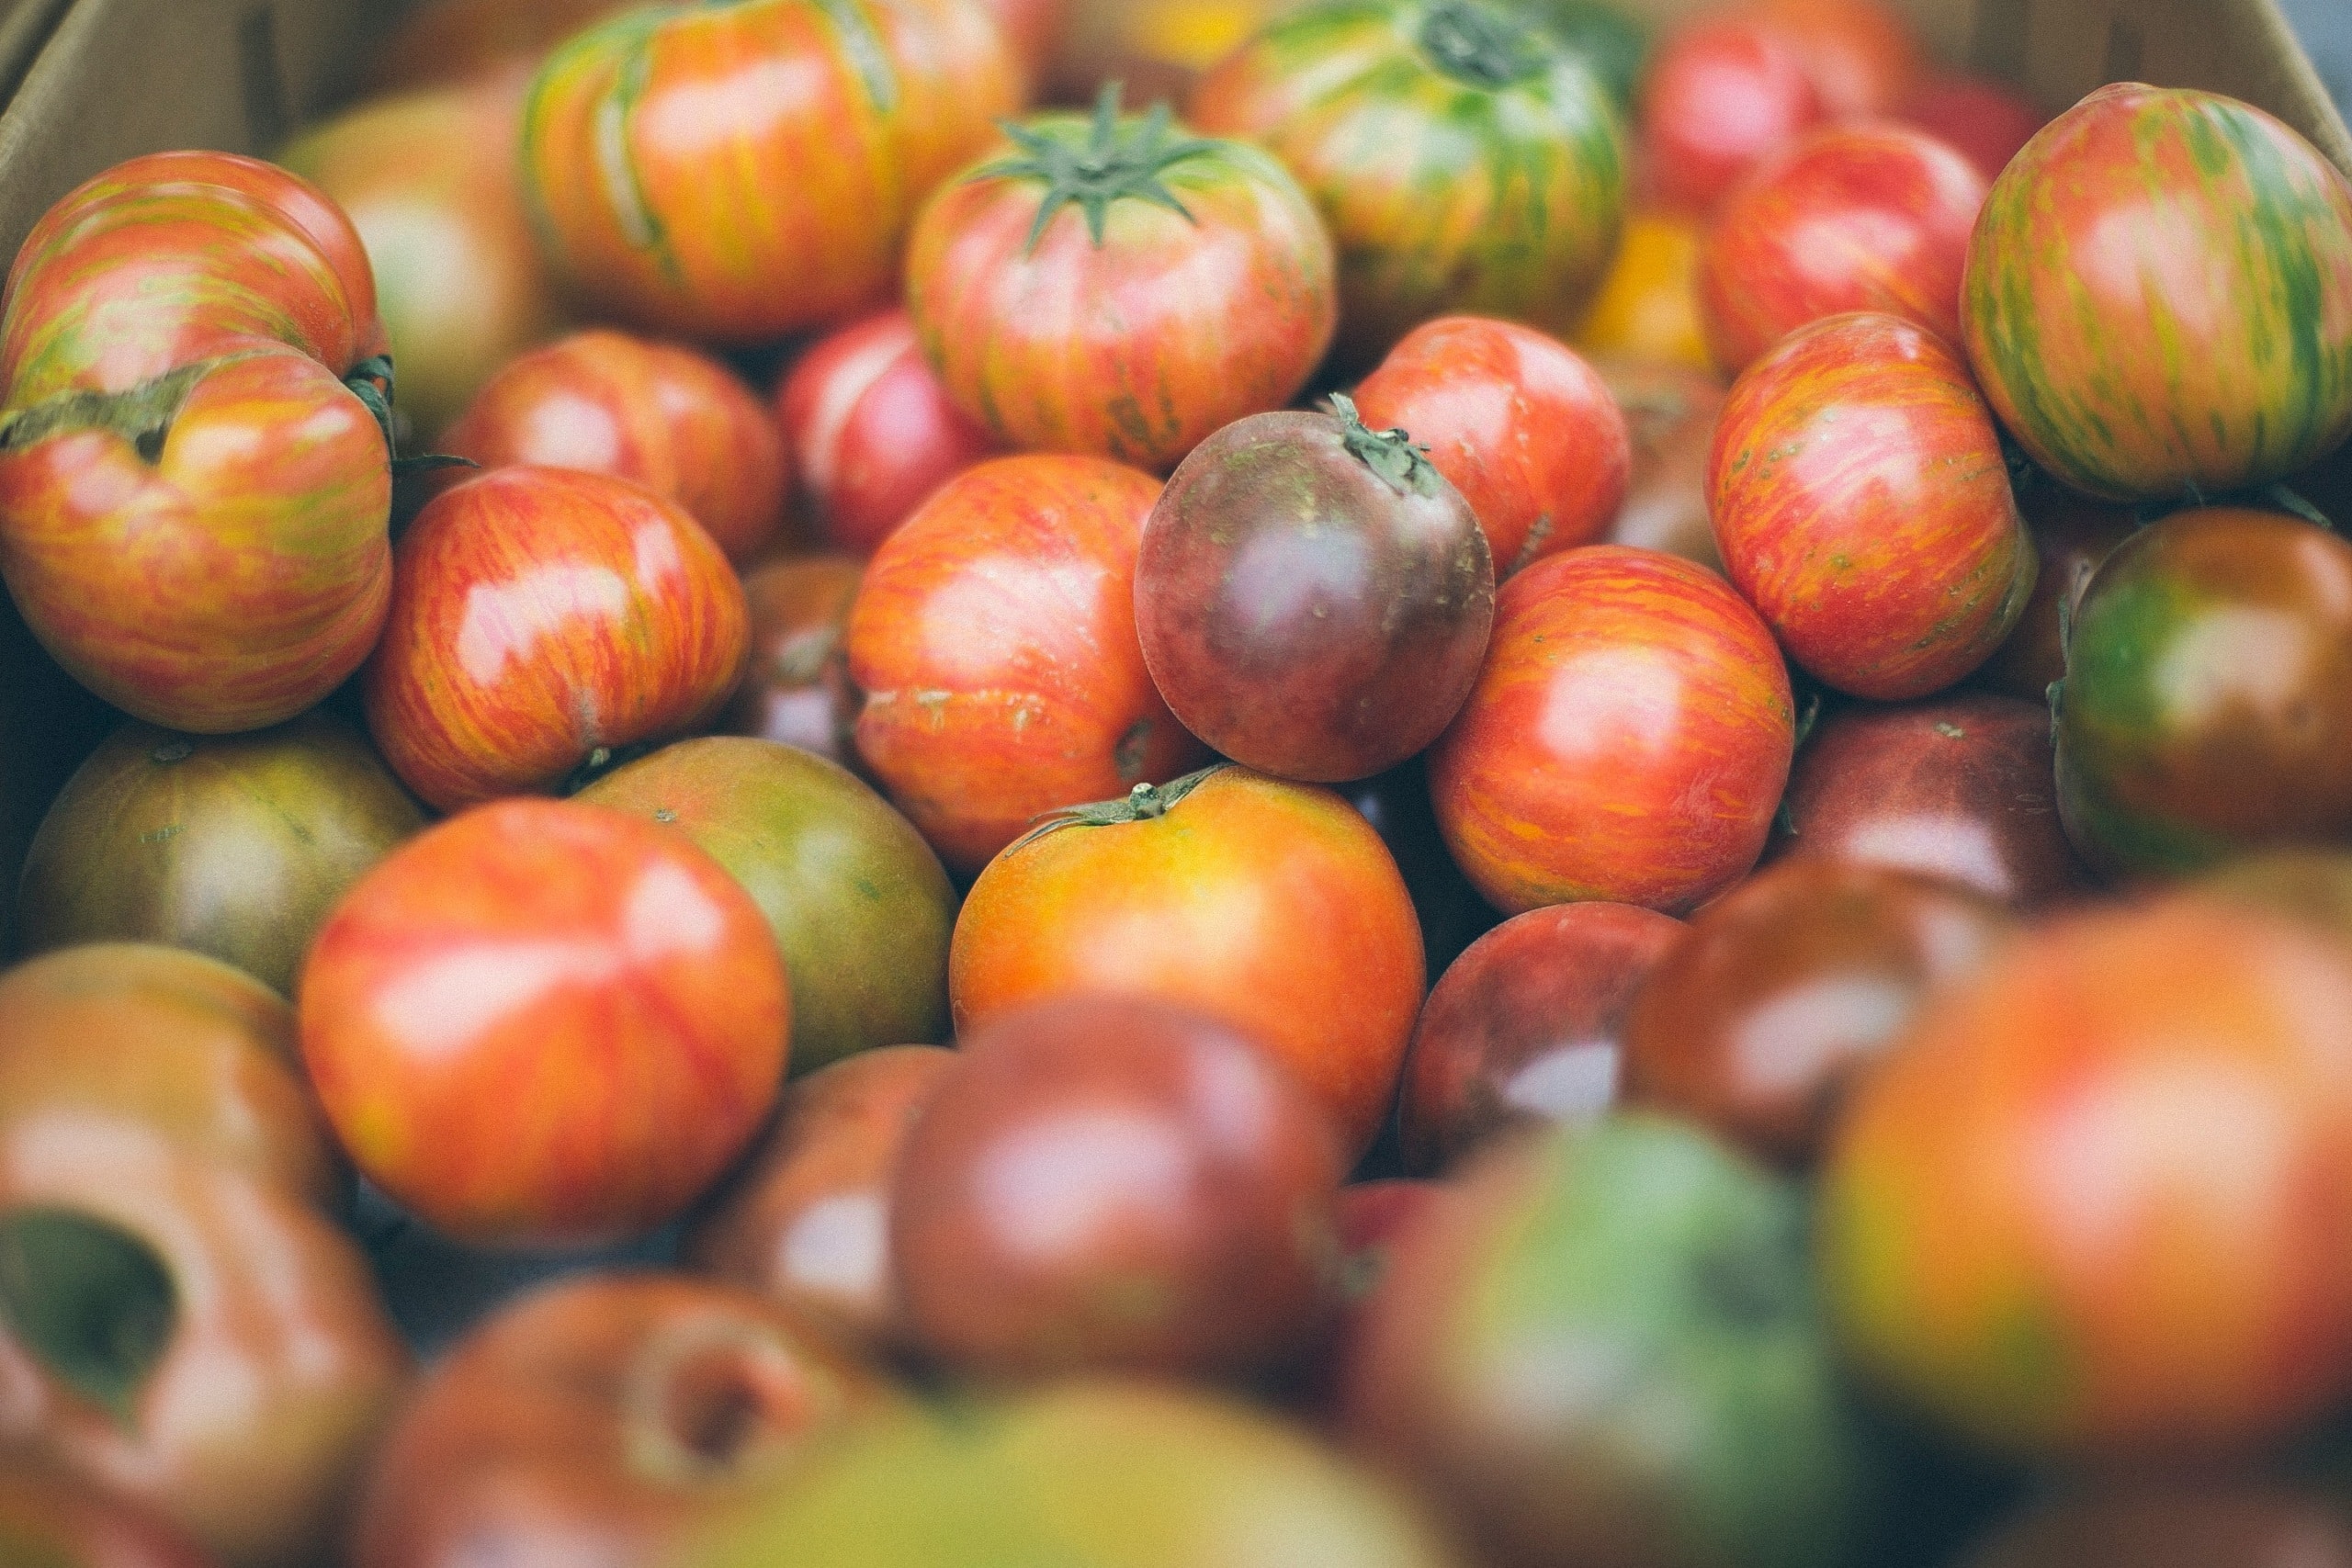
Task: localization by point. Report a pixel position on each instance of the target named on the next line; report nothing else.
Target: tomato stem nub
(1119, 158)
(1388, 453)
(1144, 803)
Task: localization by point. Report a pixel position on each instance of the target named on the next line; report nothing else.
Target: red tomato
(546, 1023)
(1627, 740)
(1861, 55)
(1861, 503)
(871, 431)
(676, 421)
(1853, 218)
(797, 689)
(1524, 428)
(1988, 122)
(1725, 94)
(994, 636)
(1197, 894)
(541, 616)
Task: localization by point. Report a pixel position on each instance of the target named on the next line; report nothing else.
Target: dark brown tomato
(1314, 598)
(1786, 988)
(52, 1519)
(1527, 1026)
(1670, 410)
(1114, 1184)
(2074, 535)
(1959, 787)
(797, 689)
(2248, 1525)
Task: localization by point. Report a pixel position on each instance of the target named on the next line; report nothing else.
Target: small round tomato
(1627, 740)
(1117, 288)
(1863, 505)
(1725, 93)
(1987, 121)
(1195, 894)
(1670, 410)
(677, 422)
(2203, 341)
(871, 431)
(541, 616)
(1648, 308)
(543, 1022)
(1330, 634)
(1520, 426)
(797, 688)
(1862, 56)
(2073, 536)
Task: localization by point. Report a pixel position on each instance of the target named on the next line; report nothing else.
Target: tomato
(871, 431)
(1195, 895)
(2026, 1207)
(1627, 740)
(2200, 1524)
(1648, 308)
(1852, 218)
(1464, 162)
(797, 688)
(1986, 120)
(1452, 915)
(676, 421)
(1861, 503)
(976, 735)
(1613, 45)
(1860, 54)
(2203, 341)
(1521, 426)
(683, 192)
(1670, 412)
(2207, 708)
(542, 616)
(1725, 93)
(544, 1023)
(233, 845)
(1329, 637)
(1159, 47)
(49, 1517)
(1117, 288)
(2072, 535)
(455, 40)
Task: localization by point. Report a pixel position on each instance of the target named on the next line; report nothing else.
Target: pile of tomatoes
(1510, 791)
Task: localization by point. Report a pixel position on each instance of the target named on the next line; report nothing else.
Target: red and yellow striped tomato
(1861, 503)
(1627, 740)
(2158, 296)
(744, 168)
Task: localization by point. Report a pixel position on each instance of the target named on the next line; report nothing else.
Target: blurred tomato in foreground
(53, 1519)
(2201, 1523)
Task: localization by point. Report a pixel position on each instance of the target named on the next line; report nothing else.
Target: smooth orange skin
(727, 173)
(544, 1023)
(1627, 740)
(539, 614)
(2030, 1209)
(1647, 310)
(1861, 503)
(994, 637)
(1268, 904)
(1525, 429)
(665, 417)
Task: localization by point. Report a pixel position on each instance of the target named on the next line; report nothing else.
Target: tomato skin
(1987, 121)
(459, 40)
(2165, 1524)
(1648, 308)
(2072, 536)
(797, 689)
(1627, 740)
(1725, 93)
(2025, 1209)
(2204, 339)
(1201, 907)
(640, 1043)
(1861, 503)
(1446, 190)
(975, 736)
(48, 1516)
(664, 416)
(1860, 54)
(688, 193)
(1670, 412)
(1523, 426)
(541, 615)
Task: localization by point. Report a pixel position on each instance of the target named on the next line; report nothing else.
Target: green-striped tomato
(2159, 295)
(1463, 160)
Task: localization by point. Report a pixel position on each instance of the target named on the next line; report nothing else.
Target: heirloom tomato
(1195, 892)
(2158, 300)
(1118, 287)
(676, 421)
(52, 1518)
(1725, 93)
(1988, 122)
(1648, 308)
(994, 639)
(2072, 536)
(1861, 55)
(1861, 503)
(543, 1023)
(1523, 427)
(2207, 708)
(797, 688)
(2027, 1207)
(1613, 45)
(1313, 597)
(1627, 740)
(1464, 162)
(542, 618)
(741, 169)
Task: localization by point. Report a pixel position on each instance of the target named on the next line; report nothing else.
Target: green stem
(1144, 803)
(1478, 47)
(1388, 453)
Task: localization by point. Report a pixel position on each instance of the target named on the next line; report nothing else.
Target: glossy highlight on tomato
(1725, 93)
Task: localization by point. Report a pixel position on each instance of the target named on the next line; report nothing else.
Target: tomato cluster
(1506, 791)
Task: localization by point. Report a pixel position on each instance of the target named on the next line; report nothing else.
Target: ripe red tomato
(1861, 503)
(1525, 429)
(871, 431)
(676, 421)
(740, 171)
(1861, 55)
(1725, 94)
(541, 616)
(1627, 740)
(1988, 122)
(1114, 287)
(543, 1023)
(994, 639)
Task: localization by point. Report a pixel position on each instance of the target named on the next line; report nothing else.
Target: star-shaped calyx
(1388, 453)
(1114, 159)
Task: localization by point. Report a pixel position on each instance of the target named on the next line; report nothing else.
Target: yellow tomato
(1648, 307)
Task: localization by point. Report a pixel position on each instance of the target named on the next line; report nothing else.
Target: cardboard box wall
(89, 83)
